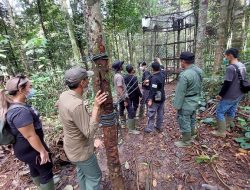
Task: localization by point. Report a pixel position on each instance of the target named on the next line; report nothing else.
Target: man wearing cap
(134, 94)
(121, 92)
(146, 76)
(79, 127)
(156, 100)
(187, 96)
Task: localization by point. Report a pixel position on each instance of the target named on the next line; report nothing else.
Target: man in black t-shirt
(156, 100)
(145, 88)
(134, 95)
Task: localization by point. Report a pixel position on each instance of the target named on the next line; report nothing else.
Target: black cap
(187, 56)
(117, 64)
(156, 66)
(129, 68)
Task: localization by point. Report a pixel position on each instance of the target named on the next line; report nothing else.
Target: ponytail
(4, 103)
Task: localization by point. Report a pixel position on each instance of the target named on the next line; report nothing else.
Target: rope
(108, 120)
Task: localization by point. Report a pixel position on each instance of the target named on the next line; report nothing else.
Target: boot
(141, 111)
(131, 127)
(193, 132)
(221, 131)
(36, 181)
(230, 123)
(123, 121)
(48, 186)
(185, 141)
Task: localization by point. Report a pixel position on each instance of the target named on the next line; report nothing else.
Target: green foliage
(48, 86)
(205, 159)
(212, 86)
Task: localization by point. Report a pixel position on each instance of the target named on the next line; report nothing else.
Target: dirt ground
(151, 161)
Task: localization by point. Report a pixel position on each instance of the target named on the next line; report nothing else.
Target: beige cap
(14, 83)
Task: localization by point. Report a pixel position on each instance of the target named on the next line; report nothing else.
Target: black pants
(25, 152)
(131, 113)
(135, 102)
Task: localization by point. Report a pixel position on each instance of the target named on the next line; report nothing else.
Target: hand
(126, 104)
(100, 98)
(218, 97)
(150, 102)
(44, 155)
(98, 143)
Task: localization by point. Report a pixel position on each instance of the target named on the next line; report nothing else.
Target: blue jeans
(89, 174)
(228, 108)
(155, 109)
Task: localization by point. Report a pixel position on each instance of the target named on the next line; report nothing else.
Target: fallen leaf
(154, 183)
(126, 165)
(25, 172)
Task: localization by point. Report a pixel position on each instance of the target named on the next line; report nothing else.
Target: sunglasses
(20, 76)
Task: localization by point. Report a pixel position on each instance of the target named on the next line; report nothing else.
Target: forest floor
(151, 161)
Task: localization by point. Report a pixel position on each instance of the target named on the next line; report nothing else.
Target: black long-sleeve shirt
(157, 84)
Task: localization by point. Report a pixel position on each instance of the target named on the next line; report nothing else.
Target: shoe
(48, 186)
(131, 127)
(230, 123)
(185, 141)
(159, 130)
(221, 130)
(147, 130)
(141, 111)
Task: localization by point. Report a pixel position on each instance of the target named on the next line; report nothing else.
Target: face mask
(225, 61)
(31, 93)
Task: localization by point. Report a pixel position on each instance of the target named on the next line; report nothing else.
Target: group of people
(79, 126)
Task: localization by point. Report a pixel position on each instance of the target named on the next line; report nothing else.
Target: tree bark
(129, 47)
(70, 28)
(200, 38)
(222, 35)
(238, 23)
(41, 19)
(101, 69)
(17, 37)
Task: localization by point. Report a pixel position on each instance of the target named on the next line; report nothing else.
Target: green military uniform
(187, 96)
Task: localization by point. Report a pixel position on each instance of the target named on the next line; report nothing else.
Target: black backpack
(6, 137)
(244, 84)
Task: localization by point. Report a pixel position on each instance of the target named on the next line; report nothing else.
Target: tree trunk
(129, 47)
(222, 35)
(70, 28)
(200, 38)
(238, 23)
(101, 82)
(41, 18)
(17, 37)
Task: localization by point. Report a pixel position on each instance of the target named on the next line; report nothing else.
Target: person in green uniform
(187, 96)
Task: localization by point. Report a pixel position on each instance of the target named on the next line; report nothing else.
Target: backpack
(6, 137)
(244, 84)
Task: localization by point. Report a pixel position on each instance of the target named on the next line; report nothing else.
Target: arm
(152, 91)
(29, 133)
(81, 118)
(225, 88)
(180, 92)
(230, 73)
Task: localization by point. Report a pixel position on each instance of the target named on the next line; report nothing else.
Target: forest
(43, 38)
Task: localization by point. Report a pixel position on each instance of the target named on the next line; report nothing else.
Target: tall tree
(222, 33)
(17, 37)
(200, 38)
(40, 8)
(238, 24)
(70, 28)
(101, 68)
